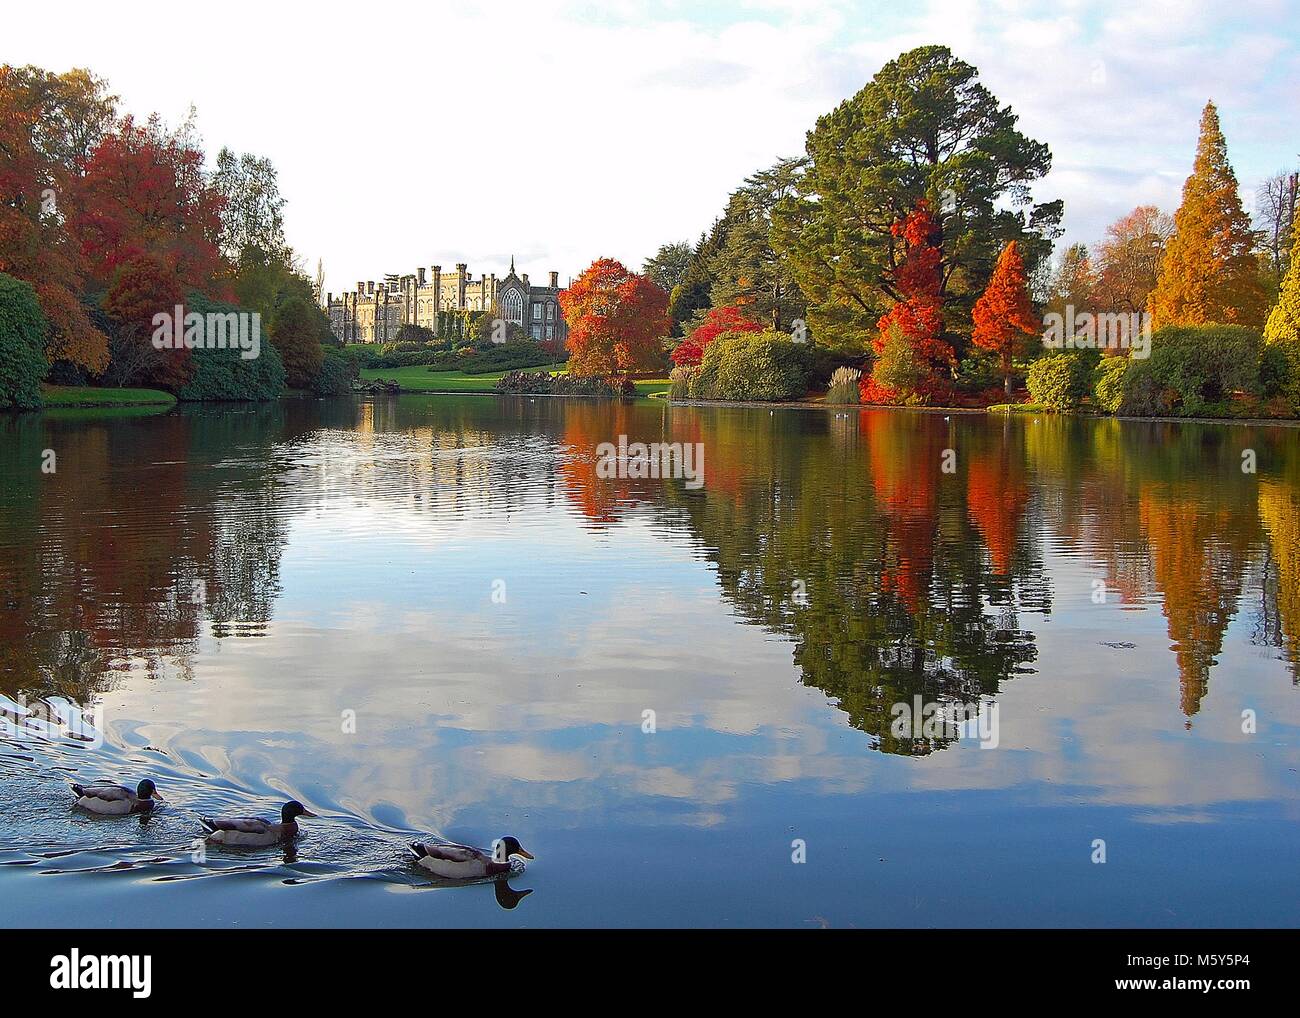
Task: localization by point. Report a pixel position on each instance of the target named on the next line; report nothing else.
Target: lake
(880, 668)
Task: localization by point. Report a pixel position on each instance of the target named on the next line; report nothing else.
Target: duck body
(255, 832)
(115, 800)
(463, 862)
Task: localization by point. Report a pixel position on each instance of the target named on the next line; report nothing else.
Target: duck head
(292, 810)
(509, 846)
(146, 789)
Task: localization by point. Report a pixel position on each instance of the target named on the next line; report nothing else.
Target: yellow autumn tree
(1283, 327)
(1209, 272)
(1279, 511)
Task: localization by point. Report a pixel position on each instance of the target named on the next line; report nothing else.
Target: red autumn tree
(141, 289)
(917, 317)
(34, 245)
(728, 318)
(1003, 316)
(144, 193)
(617, 320)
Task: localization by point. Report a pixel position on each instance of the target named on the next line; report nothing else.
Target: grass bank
(421, 379)
(64, 396)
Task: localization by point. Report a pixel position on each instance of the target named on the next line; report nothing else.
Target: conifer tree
(1003, 316)
(1210, 273)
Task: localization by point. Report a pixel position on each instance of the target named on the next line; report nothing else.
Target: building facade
(373, 312)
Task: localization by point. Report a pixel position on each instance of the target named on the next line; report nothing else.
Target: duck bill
(525, 853)
(305, 813)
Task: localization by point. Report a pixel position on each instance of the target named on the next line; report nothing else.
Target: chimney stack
(555, 280)
(420, 273)
(370, 286)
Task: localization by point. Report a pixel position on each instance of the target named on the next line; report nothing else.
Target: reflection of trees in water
(143, 531)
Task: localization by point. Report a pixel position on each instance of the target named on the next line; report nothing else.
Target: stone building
(372, 313)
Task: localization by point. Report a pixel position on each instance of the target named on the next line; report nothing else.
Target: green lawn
(421, 379)
(91, 396)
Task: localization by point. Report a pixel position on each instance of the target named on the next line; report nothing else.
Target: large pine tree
(1209, 272)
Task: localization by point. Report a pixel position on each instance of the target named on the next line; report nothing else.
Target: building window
(537, 312)
(550, 311)
(537, 332)
(512, 306)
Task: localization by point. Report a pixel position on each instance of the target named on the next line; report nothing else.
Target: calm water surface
(229, 585)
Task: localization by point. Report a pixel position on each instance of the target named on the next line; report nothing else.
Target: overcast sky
(558, 132)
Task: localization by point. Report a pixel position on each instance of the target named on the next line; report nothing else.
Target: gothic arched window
(512, 306)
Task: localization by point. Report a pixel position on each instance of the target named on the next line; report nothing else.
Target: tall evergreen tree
(923, 128)
(1210, 272)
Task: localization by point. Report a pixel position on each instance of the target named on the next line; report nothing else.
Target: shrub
(543, 383)
(844, 386)
(22, 345)
(680, 379)
(1277, 372)
(226, 374)
(1061, 381)
(1108, 383)
(899, 374)
(337, 372)
(1193, 371)
(761, 366)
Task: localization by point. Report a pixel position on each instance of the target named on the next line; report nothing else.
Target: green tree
(22, 345)
(295, 333)
(747, 271)
(252, 217)
(922, 128)
(1283, 327)
(667, 266)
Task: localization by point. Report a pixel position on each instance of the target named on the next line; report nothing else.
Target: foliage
(668, 266)
(295, 336)
(252, 208)
(1002, 316)
(336, 375)
(761, 366)
(142, 288)
(1193, 371)
(718, 320)
(923, 128)
(914, 375)
(1062, 381)
(1129, 259)
(544, 383)
(617, 320)
(1108, 383)
(1282, 331)
(680, 379)
(844, 386)
(1210, 273)
(22, 345)
(37, 164)
(225, 374)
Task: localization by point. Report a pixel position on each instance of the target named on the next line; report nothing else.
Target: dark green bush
(1194, 371)
(336, 374)
(1061, 381)
(759, 366)
(225, 374)
(22, 345)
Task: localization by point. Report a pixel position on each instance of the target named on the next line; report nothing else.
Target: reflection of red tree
(996, 496)
(905, 464)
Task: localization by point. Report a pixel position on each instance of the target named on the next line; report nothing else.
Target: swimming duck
(116, 800)
(462, 862)
(254, 832)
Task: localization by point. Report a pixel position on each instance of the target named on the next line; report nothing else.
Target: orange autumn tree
(728, 318)
(1210, 272)
(915, 321)
(1003, 316)
(617, 320)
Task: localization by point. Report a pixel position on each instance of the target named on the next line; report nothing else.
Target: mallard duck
(461, 862)
(116, 800)
(254, 832)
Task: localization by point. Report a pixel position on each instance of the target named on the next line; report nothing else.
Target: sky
(559, 131)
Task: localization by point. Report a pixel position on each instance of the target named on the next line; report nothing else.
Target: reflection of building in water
(372, 313)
